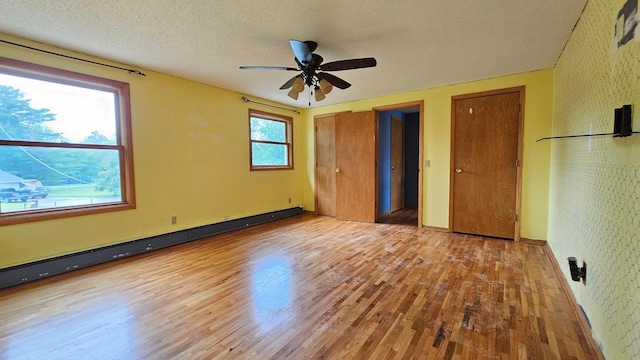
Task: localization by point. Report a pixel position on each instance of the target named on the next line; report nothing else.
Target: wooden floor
(308, 287)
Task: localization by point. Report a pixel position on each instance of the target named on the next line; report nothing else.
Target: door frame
(420, 104)
(521, 91)
(402, 155)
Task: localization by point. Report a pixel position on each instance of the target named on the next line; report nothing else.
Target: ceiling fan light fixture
(298, 85)
(313, 72)
(325, 86)
(296, 88)
(319, 94)
(293, 93)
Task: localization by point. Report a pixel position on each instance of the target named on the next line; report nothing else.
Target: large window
(271, 141)
(65, 143)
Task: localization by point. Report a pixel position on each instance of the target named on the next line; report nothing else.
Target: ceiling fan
(313, 72)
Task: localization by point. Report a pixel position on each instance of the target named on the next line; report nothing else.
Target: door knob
(393, 168)
(458, 171)
(337, 170)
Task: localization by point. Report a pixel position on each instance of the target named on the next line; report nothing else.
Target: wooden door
(397, 164)
(356, 166)
(484, 171)
(325, 144)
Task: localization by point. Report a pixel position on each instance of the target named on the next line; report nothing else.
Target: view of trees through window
(270, 141)
(58, 145)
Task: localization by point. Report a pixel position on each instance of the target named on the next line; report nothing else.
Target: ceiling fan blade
(289, 83)
(302, 51)
(349, 64)
(268, 68)
(333, 80)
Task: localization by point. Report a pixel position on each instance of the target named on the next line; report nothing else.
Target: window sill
(40, 215)
(262, 168)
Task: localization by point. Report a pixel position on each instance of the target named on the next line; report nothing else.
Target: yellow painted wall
(190, 140)
(191, 157)
(437, 134)
(594, 210)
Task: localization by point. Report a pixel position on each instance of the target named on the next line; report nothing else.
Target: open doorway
(398, 165)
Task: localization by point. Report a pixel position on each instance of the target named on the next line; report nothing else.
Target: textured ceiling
(418, 43)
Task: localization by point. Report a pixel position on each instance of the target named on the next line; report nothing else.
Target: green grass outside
(76, 191)
(6, 207)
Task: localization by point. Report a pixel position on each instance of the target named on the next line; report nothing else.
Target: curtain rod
(244, 98)
(132, 71)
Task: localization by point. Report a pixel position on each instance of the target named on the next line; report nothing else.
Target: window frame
(288, 121)
(124, 142)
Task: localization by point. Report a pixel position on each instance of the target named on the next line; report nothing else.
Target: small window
(271, 141)
(65, 143)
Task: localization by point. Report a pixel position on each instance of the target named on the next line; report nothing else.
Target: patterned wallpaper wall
(594, 211)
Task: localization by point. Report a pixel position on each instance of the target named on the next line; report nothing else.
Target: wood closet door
(325, 165)
(356, 166)
(484, 164)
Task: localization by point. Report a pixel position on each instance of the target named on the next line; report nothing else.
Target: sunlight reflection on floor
(107, 329)
(272, 290)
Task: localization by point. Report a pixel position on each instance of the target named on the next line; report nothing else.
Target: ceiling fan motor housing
(312, 45)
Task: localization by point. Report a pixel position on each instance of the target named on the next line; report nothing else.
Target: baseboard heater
(54, 266)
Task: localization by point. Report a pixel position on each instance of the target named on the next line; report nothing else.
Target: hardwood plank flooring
(309, 287)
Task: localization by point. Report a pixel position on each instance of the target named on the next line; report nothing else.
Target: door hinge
(517, 163)
(316, 164)
(515, 217)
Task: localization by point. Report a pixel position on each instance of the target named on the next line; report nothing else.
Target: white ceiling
(418, 43)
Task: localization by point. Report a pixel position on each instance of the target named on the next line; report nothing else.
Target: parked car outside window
(8, 195)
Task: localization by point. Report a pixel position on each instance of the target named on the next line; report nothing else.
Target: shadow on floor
(404, 216)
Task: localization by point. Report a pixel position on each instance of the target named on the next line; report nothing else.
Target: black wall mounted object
(621, 126)
(577, 273)
(622, 121)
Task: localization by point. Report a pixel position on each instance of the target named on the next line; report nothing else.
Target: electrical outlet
(427, 163)
(226, 217)
(174, 220)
